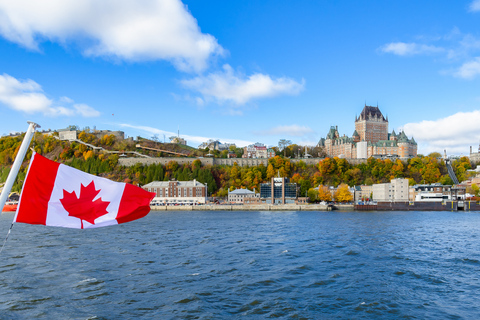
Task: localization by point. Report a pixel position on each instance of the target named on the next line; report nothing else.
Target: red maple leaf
(84, 207)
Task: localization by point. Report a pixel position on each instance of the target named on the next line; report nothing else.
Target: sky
(243, 71)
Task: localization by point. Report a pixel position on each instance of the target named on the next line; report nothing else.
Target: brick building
(181, 192)
(370, 138)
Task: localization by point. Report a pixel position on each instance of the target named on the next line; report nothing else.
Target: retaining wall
(242, 162)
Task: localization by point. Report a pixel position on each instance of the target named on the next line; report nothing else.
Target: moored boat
(10, 206)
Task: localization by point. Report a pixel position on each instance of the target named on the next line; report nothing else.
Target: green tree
(312, 194)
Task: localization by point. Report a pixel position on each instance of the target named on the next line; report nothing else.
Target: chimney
(194, 182)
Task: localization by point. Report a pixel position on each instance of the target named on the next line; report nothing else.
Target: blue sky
(243, 71)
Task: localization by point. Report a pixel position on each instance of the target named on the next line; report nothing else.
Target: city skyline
(244, 72)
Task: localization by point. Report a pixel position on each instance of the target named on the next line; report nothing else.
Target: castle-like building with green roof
(370, 139)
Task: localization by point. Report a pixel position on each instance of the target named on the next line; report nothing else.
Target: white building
(178, 140)
(216, 145)
(395, 191)
(237, 195)
(181, 192)
(258, 150)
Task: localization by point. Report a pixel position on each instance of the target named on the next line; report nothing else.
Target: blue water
(247, 265)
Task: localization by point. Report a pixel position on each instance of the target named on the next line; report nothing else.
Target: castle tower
(371, 125)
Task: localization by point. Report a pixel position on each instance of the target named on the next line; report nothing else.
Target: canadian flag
(54, 194)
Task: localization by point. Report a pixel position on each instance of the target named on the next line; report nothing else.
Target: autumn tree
(270, 171)
(343, 194)
(324, 193)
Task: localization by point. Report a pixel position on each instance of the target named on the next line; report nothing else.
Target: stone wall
(242, 162)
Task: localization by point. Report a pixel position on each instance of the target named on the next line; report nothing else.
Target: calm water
(252, 265)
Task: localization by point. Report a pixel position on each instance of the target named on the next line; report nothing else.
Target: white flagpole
(17, 163)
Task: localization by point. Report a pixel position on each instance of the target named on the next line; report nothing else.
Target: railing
(451, 173)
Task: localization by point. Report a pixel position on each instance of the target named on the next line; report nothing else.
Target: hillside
(220, 179)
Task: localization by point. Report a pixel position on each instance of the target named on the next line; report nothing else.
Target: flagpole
(17, 163)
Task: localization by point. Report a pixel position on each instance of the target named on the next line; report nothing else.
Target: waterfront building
(279, 191)
(362, 192)
(435, 192)
(395, 191)
(238, 195)
(177, 192)
(370, 139)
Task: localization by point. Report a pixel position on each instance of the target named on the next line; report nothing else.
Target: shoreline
(387, 206)
(261, 207)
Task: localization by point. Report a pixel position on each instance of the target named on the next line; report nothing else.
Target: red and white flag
(54, 194)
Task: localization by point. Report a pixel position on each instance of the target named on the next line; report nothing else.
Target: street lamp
(206, 192)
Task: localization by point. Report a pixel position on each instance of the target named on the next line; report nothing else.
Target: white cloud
(196, 139)
(475, 5)
(86, 111)
(126, 29)
(409, 49)
(455, 133)
(28, 97)
(291, 130)
(231, 86)
(469, 70)
(454, 47)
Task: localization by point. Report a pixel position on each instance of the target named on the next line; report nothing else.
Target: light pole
(206, 192)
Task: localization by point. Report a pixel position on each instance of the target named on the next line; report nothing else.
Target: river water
(248, 265)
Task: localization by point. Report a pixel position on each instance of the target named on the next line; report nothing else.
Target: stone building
(370, 139)
(258, 150)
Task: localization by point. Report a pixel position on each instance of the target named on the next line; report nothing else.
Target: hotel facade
(370, 139)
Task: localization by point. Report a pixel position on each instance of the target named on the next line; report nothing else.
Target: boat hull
(10, 207)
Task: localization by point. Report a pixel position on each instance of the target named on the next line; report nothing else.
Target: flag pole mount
(18, 162)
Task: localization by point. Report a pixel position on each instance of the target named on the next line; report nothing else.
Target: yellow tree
(343, 194)
(324, 193)
(270, 171)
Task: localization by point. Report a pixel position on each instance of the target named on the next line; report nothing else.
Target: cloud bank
(122, 29)
(455, 133)
(233, 87)
(28, 97)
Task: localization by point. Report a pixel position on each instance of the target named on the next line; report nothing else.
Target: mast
(17, 163)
